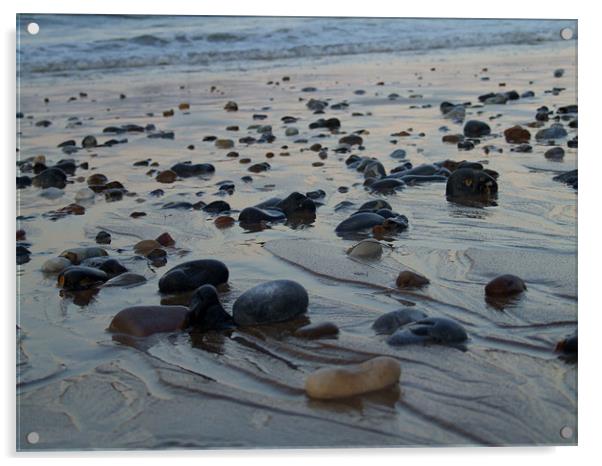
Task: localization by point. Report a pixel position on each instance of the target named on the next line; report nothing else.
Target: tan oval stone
(318, 330)
(340, 382)
(146, 245)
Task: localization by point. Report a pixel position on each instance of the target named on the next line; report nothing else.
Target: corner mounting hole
(33, 438)
(566, 33)
(33, 28)
(566, 432)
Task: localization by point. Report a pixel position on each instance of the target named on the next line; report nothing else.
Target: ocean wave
(190, 41)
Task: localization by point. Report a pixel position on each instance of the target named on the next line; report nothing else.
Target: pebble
(359, 222)
(467, 184)
(224, 143)
(84, 194)
(517, 135)
(270, 302)
(89, 141)
(190, 275)
(366, 249)
(409, 279)
(340, 382)
(431, 330)
(291, 131)
(391, 321)
(231, 106)
(556, 153)
(55, 265)
(145, 246)
(188, 169)
(165, 239)
(476, 129)
(142, 321)
(398, 154)
(81, 278)
(255, 215)
(50, 178)
(103, 237)
(556, 131)
(76, 255)
(505, 285)
(224, 221)
(319, 330)
(126, 280)
(166, 176)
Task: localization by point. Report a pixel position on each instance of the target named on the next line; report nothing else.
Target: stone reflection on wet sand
(367, 250)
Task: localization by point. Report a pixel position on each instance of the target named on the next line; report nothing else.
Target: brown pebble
(224, 143)
(97, 179)
(517, 135)
(138, 214)
(184, 106)
(20, 235)
(408, 279)
(245, 160)
(224, 221)
(452, 138)
(318, 330)
(165, 239)
(168, 113)
(145, 246)
(505, 285)
(317, 164)
(166, 176)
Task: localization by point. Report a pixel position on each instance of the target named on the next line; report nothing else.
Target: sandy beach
(81, 388)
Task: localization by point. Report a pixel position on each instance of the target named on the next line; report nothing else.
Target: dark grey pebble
(438, 330)
(359, 222)
(270, 302)
(186, 170)
(217, 207)
(387, 186)
(190, 275)
(50, 178)
(467, 184)
(556, 131)
(255, 215)
(103, 237)
(476, 129)
(391, 321)
(78, 277)
(556, 153)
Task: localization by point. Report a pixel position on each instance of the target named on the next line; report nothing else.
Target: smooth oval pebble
(341, 382)
(192, 274)
(391, 321)
(505, 285)
(146, 245)
(270, 302)
(76, 255)
(142, 321)
(358, 222)
(409, 279)
(322, 329)
(366, 249)
(84, 194)
(55, 265)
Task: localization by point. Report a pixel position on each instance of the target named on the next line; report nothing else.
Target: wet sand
(80, 389)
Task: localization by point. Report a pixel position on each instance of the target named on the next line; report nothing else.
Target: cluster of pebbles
(466, 182)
